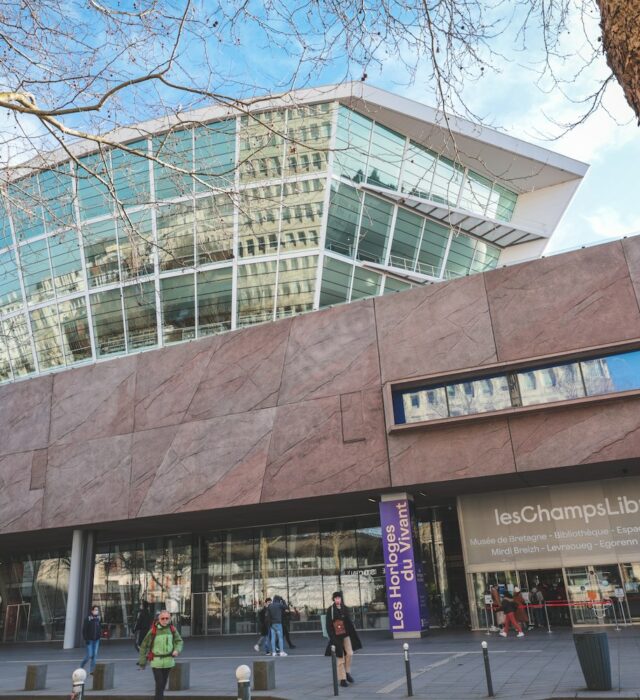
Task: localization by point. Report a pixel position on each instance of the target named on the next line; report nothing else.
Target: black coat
(91, 629)
(333, 613)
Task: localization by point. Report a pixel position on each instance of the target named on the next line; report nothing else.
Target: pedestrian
(286, 623)
(496, 607)
(143, 624)
(275, 612)
(521, 609)
(509, 608)
(91, 633)
(160, 647)
(342, 635)
(263, 643)
(536, 599)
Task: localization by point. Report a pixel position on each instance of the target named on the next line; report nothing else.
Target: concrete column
(80, 583)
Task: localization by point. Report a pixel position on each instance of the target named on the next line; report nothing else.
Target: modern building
(204, 475)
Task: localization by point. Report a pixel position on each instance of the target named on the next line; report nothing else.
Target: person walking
(275, 612)
(263, 643)
(286, 625)
(509, 608)
(160, 647)
(91, 633)
(342, 634)
(143, 624)
(521, 609)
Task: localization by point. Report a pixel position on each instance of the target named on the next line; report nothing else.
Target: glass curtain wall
(33, 592)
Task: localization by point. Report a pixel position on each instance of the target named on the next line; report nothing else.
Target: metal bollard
(78, 677)
(487, 669)
(243, 676)
(407, 669)
(334, 670)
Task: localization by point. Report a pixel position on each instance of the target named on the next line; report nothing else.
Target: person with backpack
(160, 648)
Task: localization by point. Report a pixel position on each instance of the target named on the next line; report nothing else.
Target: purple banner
(406, 594)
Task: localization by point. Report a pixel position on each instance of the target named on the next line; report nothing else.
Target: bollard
(487, 669)
(243, 676)
(334, 670)
(407, 669)
(78, 677)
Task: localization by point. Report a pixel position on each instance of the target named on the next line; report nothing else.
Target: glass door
(591, 592)
(631, 580)
(206, 614)
(16, 622)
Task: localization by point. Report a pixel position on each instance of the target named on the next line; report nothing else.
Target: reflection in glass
(425, 404)
(26, 207)
(108, 322)
(550, 384)
(140, 315)
(262, 145)
(46, 335)
(214, 300)
(16, 337)
(92, 181)
(305, 576)
(215, 146)
(175, 148)
(385, 157)
(302, 207)
(76, 343)
(481, 395)
(352, 144)
(256, 292)
(36, 270)
(343, 220)
(419, 168)
(175, 235)
(178, 308)
(259, 221)
(56, 187)
(214, 228)
(135, 240)
(66, 263)
(131, 174)
(614, 373)
(296, 285)
(101, 253)
(10, 293)
(366, 283)
(371, 574)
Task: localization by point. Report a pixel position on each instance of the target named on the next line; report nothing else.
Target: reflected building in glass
(219, 221)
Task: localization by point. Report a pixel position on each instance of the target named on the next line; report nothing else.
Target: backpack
(154, 632)
(533, 598)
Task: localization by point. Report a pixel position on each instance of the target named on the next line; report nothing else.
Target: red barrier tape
(563, 604)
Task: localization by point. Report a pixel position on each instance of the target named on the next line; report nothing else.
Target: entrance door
(206, 613)
(631, 580)
(591, 592)
(550, 584)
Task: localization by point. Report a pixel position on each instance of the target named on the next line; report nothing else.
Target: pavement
(445, 665)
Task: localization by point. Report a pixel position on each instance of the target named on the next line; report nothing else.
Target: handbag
(339, 628)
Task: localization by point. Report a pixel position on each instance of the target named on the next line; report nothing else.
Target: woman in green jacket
(160, 648)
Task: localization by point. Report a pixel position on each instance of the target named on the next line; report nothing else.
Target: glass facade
(529, 387)
(213, 583)
(211, 227)
(33, 592)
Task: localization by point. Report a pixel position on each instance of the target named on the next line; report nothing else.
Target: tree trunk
(620, 22)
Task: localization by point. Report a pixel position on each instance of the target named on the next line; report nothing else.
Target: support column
(80, 585)
(406, 593)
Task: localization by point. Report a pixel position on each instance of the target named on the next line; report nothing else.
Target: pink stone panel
(562, 303)
(631, 247)
(39, 469)
(87, 482)
(581, 435)
(20, 506)
(331, 352)
(209, 464)
(25, 413)
(434, 329)
(244, 372)
(308, 456)
(444, 454)
(149, 449)
(353, 418)
(94, 401)
(167, 381)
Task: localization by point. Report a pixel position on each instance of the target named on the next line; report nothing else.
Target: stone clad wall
(278, 411)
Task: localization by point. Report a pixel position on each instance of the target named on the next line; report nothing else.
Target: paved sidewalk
(445, 665)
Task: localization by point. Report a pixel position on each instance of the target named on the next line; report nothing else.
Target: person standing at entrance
(160, 648)
(91, 633)
(509, 608)
(342, 634)
(275, 612)
(143, 624)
